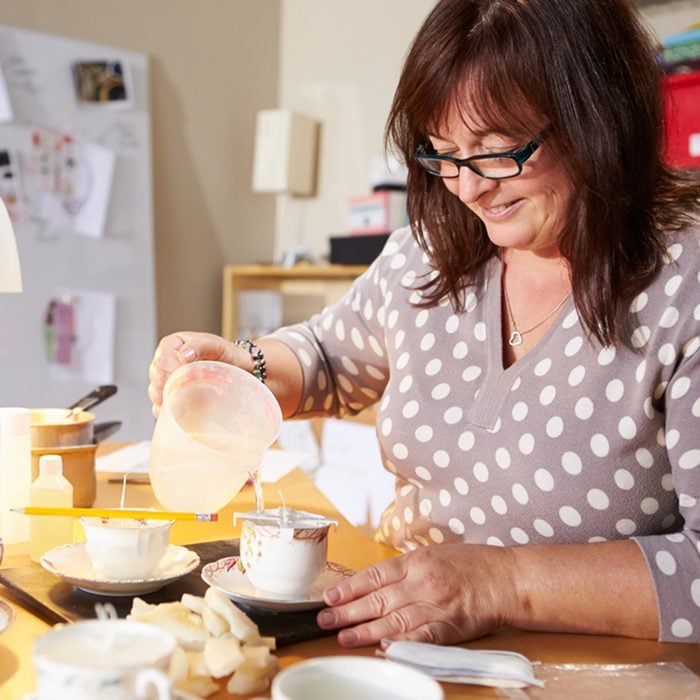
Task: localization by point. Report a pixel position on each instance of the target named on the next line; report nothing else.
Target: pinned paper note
(79, 332)
(71, 181)
(103, 83)
(5, 104)
(10, 184)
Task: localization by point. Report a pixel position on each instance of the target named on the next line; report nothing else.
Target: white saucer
(70, 562)
(7, 614)
(225, 575)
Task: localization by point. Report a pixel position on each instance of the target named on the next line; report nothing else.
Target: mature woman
(532, 340)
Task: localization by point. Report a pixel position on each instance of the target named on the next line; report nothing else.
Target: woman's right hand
(178, 349)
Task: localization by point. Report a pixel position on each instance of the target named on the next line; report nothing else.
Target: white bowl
(353, 678)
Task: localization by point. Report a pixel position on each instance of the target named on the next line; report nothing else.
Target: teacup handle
(152, 678)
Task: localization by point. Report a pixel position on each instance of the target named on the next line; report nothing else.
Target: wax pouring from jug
(215, 423)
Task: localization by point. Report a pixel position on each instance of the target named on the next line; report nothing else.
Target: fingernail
(188, 354)
(347, 637)
(326, 618)
(333, 596)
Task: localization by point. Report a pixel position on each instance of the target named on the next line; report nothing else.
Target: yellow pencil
(117, 513)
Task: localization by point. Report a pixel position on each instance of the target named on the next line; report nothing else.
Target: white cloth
(498, 669)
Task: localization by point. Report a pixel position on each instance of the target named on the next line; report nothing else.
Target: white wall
(339, 62)
(213, 66)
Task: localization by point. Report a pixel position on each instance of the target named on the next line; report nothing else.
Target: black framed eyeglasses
(492, 166)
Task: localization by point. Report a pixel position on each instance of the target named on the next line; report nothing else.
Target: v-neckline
(499, 379)
(495, 297)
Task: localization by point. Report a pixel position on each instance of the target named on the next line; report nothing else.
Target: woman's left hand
(439, 594)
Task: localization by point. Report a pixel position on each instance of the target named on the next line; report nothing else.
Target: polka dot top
(573, 443)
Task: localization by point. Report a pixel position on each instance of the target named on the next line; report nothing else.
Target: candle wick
(283, 509)
(122, 500)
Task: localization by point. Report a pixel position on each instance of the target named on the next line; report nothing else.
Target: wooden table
(349, 546)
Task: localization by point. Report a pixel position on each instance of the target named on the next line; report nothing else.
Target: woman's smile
(499, 212)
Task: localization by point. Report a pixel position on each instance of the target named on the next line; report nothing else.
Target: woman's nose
(471, 186)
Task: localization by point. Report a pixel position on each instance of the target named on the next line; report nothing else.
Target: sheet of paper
(5, 104)
(259, 312)
(351, 474)
(277, 463)
(298, 436)
(346, 490)
(82, 202)
(381, 486)
(85, 350)
(348, 444)
(11, 183)
(134, 459)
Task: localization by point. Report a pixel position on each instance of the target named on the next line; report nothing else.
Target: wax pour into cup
(283, 551)
(215, 423)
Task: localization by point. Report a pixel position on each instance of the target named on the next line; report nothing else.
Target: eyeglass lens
(488, 167)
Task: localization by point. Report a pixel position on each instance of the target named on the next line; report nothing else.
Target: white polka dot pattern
(574, 443)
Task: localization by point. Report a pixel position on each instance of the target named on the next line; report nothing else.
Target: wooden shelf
(305, 289)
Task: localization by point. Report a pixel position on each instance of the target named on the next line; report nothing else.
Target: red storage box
(682, 104)
(379, 212)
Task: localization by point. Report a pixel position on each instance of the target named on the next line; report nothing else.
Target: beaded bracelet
(259, 368)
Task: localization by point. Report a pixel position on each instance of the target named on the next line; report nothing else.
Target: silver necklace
(516, 336)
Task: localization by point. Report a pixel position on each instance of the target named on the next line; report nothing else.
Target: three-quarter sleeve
(674, 559)
(342, 350)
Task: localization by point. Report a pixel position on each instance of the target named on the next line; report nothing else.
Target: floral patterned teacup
(283, 551)
(104, 660)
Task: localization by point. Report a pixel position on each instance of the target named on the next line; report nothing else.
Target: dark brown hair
(588, 68)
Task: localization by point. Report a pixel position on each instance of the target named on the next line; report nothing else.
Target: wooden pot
(57, 427)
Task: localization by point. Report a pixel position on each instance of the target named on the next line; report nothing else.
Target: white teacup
(104, 660)
(283, 551)
(345, 677)
(123, 549)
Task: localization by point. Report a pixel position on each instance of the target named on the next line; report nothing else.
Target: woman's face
(526, 212)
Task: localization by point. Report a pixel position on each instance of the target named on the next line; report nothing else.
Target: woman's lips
(501, 211)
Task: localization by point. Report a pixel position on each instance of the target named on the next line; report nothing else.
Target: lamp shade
(285, 152)
(10, 272)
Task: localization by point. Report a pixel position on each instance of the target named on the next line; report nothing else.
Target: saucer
(7, 614)
(71, 563)
(176, 695)
(225, 575)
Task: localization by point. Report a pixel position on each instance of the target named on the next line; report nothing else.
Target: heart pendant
(515, 339)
